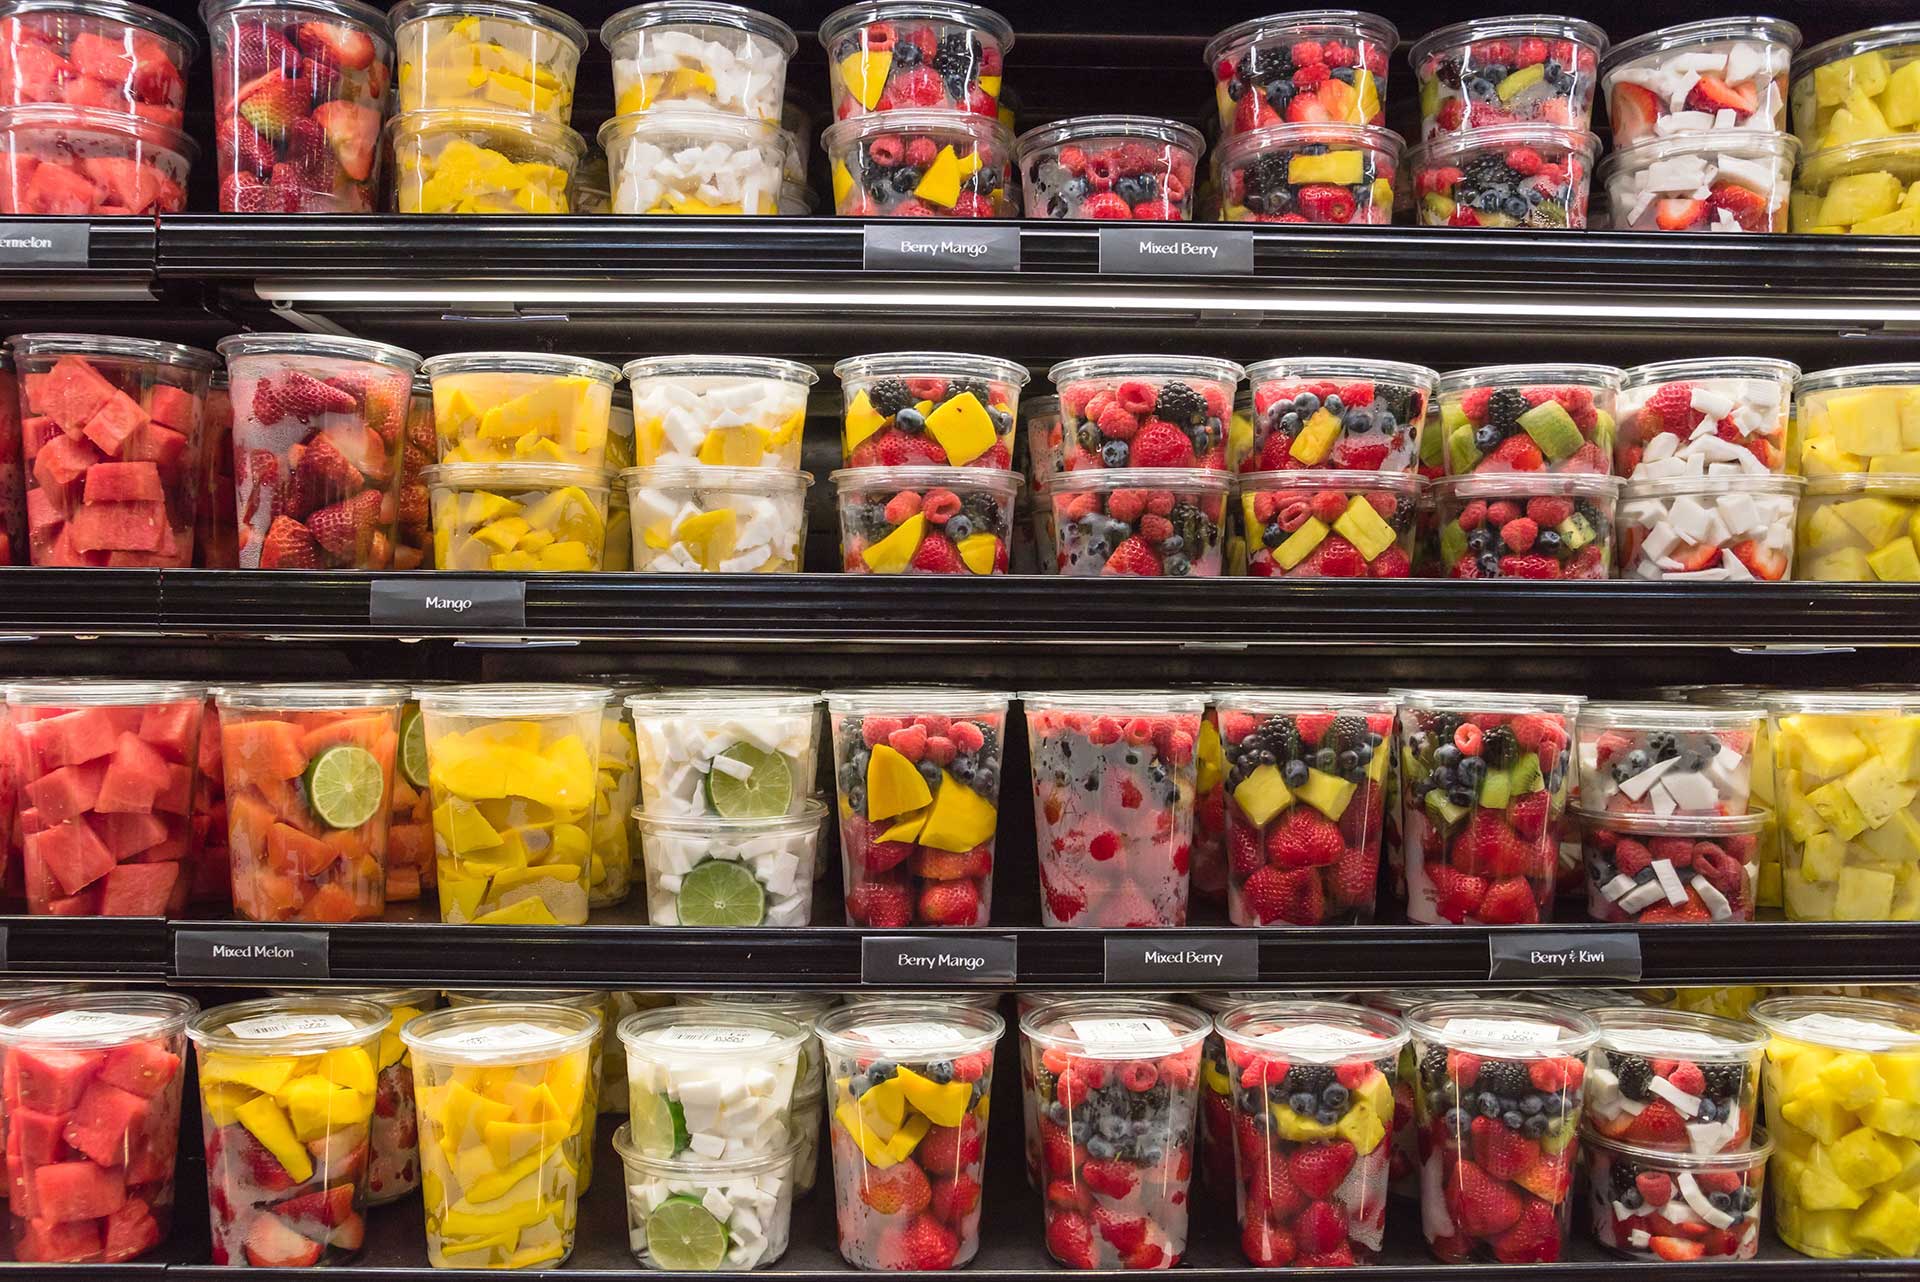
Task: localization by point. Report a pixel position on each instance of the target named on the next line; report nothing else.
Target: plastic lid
(507, 1033)
(1292, 26)
(86, 692)
(1132, 702)
(961, 480)
(511, 10)
(1746, 483)
(1489, 485)
(1753, 1153)
(91, 1018)
(587, 999)
(1450, 147)
(917, 700)
(105, 345)
(1308, 369)
(353, 349)
(1666, 716)
(1081, 128)
(1903, 484)
(423, 999)
(1677, 1034)
(1892, 374)
(1692, 826)
(1898, 155)
(932, 365)
(720, 367)
(908, 1029)
(300, 696)
(1745, 144)
(1855, 1023)
(1706, 31)
(512, 700)
(696, 476)
(1314, 1032)
(984, 130)
(462, 476)
(137, 15)
(303, 1025)
(1140, 478)
(1331, 479)
(687, 122)
(1117, 1027)
(53, 115)
(985, 21)
(1485, 701)
(353, 11)
(812, 814)
(703, 1172)
(1889, 36)
(719, 1033)
(1262, 701)
(723, 699)
(780, 1002)
(1836, 702)
(1236, 149)
(1146, 366)
(1708, 367)
(699, 13)
(1546, 26)
(1509, 1030)
(549, 363)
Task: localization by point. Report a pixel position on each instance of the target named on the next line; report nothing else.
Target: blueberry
(1512, 1119)
(931, 773)
(1327, 1116)
(1290, 423)
(1346, 761)
(1547, 542)
(859, 1084)
(963, 766)
(1532, 1102)
(1535, 1127)
(857, 796)
(1324, 759)
(1473, 771)
(1455, 1121)
(1177, 566)
(1487, 1104)
(1302, 1102)
(1101, 1148)
(1447, 755)
(1334, 1096)
(882, 1069)
(958, 527)
(1114, 453)
(1485, 437)
(1173, 543)
(1112, 1126)
(1306, 403)
(1294, 774)
(911, 421)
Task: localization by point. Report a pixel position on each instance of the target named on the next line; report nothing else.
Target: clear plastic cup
(595, 1003)
(505, 1101)
(955, 66)
(1213, 1135)
(1322, 64)
(1505, 1187)
(1860, 528)
(702, 1217)
(687, 160)
(925, 519)
(288, 1087)
(93, 1122)
(716, 520)
(613, 1056)
(211, 882)
(1705, 529)
(413, 535)
(941, 409)
(477, 161)
(1713, 751)
(1190, 396)
(103, 810)
(710, 1085)
(1323, 524)
(1684, 868)
(107, 56)
(922, 163)
(309, 778)
(110, 435)
(216, 534)
(1857, 87)
(521, 407)
(1854, 419)
(1339, 174)
(512, 57)
(1142, 521)
(1488, 72)
(1562, 525)
(518, 516)
(1655, 185)
(1839, 1082)
(721, 411)
(1095, 1064)
(1751, 395)
(1208, 853)
(411, 866)
(1137, 168)
(807, 1111)
(908, 1084)
(13, 493)
(592, 190)
(918, 773)
(1673, 1082)
(1044, 439)
(1859, 188)
(1113, 790)
(794, 201)
(728, 753)
(1403, 1161)
(1526, 175)
(731, 872)
(512, 771)
(617, 792)
(52, 153)
(698, 54)
(1313, 1106)
(1304, 779)
(803, 1009)
(1711, 1202)
(1725, 75)
(1372, 426)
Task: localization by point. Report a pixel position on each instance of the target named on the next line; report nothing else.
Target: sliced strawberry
(1633, 111)
(1747, 206)
(1714, 94)
(1703, 557)
(1763, 563)
(1678, 214)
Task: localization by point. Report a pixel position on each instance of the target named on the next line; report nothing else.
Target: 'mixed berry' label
(1128, 1035)
(1564, 954)
(1174, 961)
(1177, 250)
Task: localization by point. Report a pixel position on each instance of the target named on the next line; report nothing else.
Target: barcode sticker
(89, 1023)
(268, 1027)
(1660, 1042)
(1504, 1032)
(1318, 1037)
(910, 1035)
(1864, 1032)
(1144, 1035)
(712, 1037)
(501, 1037)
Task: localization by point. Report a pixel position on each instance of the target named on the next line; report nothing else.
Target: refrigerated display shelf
(78, 259)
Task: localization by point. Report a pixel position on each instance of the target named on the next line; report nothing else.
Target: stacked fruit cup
(13, 485)
(590, 1001)
(393, 1171)
(1403, 1161)
(1856, 437)
(412, 534)
(216, 535)
(1213, 1132)
(300, 99)
(485, 96)
(212, 880)
(1208, 852)
(1110, 168)
(802, 1008)
(1856, 109)
(616, 798)
(1326, 67)
(411, 866)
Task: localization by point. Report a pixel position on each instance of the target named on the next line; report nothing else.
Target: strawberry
(1070, 1239)
(1135, 557)
(1509, 903)
(1529, 567)
(352, 132)
(1761, 562)
(1633, 110)
(1317, 1169)
(950, 1148)
(343, 45)
(1336, 558)
(1266, 894)
(305, 396)
(1109, 1177)
(1659, 1124)
(937, 555)
(1535, 1238)
(1266, 1247)
(1161, 445)
(1064, 903)
(899, 1189)
(271, 103)
(1748, 207)
(1244, 852)
(1457, 895)
(1712, 94)
(883, 856)
(883, 904)
(949, 903)
(924, 1244)
(1303, 838)
(1487, 1206)
(1528, 815)
(1549, 1178)
(345, 529)
(1516, 454)
(1675, 1248)
(955, 1199)
(1125, 1233)
(1353, 877)
(1150, 1255)
(1502, 1153)
(1675, 213)
(1320, 1228)
(288, 546)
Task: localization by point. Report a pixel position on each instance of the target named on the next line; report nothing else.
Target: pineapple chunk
(1866, 422)
(1823, 1188)
(1863, 894)
(1890, 1221)
(1877, 791)
(1854, 198)
(1895, 563)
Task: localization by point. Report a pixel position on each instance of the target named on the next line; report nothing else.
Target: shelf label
(1564, 954)
(54, 243)
(436, 600)
(918, 247)
(1174, 961)
(1181, 250)
(936, 961)
(251, 954)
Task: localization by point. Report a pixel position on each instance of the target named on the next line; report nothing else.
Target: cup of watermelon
(211, 882)
(13, 495)
(106, 781)
(92, 1093)
(110, 432)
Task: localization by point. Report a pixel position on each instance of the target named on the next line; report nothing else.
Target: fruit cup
(1321, 524)
(287, 1095)
(110, 435)
(394, 1170)
(410, 858)
(1653, 1205)
(1709, 529)
(412, 535)
(1846, 768)
(504, 1096)
(521, 407)
(1727, 75)
(713, 57)
(1483, 782)
(731, 872)
(1863, 418)
(925, 520)
(1528, 175)
(808, 1108)
(1403, 1158)
(216, 534)
(1317, 173)
(716, 520)
(907, 1091)
(299, 96)
(518, 516)
(1694, 402)
(613, 1056)
(512, 771)
(1862, 188)
(1145, 411)
(1208, 853)
(1110, 167)
(1539, 527)
(1213, 1134)
(1304, 781)
(722, 411)
(212, 879)
(1489, 72)
(93, 1122)
(1347, 415)
(1860, 528)
(1325, 65)
(1312, 1104)
(106, 783)
(710, 1085)
(1668, 760)
(1857, 87)
(726, 753)
(917, 769)
(309, 778)
(593, 1002)
(921, 163)
(1656, 185)
(1687, 868)
(688, 160)
(1673, 1082)
(1113, 790)
(1044, 438)
(616, 794)
(701, 1216)
(78, 160)
(1498, 1106)
(317, 439)
(480, 161)
(1117, 1080)
(511, 57)
(1139, 521)
(118, 60)
(943, 55)
(929, 408)
(13, 493)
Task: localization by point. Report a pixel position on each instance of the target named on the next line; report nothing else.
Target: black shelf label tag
(32, 246)
(1172, 961)
(436, 600)
(251, 954)
(1176, 250)
(4, 964)
(909, 247)
(937, 961)
(1564, 954)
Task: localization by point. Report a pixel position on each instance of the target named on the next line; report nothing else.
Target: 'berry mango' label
(937, 962)
(904, 248)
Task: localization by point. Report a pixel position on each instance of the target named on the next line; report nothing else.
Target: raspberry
(1473, 403)
(919, 87)
(1105, 205)
(1356, 395)
(1325, 203)
(1473, 514)
(1549, 512)
(1519, 535)
(1311, 76)
(1500, 512)
(1340, 55)
(903, 505)
(921, 152)
(1155, 529)
(1524, 160)
(1137, 396)
(1305, 52)
(888, 150)
(1073, 160)
(940, 506)
(1155, 211)
(1117, 425)
(1126, 505)
(1327, 505)
(1531, 52)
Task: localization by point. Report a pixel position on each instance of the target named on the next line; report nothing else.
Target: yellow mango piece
(221, 1101)
(266, 1123)
(710, 537)
(351, 1067)
(894, 553)
(960, 818)
(943, 1103)
(907, 827)
(980, 552)
(267, 1075)
(940, 185)
(1301, 542)
(864, 72)
(741, 445)
(316, 1107)
(894, 784)
(962, 428)
(531, 911)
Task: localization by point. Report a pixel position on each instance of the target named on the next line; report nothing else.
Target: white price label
(1313, 1040)
(501, 1037)
(712, 1037)
(1870, 1034)
(1503, 1032)
(269, 1027)
(910, 1036)
(92, 1023)
(1662, 1042)
(1140, 1036)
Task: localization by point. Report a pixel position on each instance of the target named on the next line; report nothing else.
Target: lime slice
(763, 791)
(684, 1237)
(659, 1125)
(345, 786)
(720, 893)
(413, 747)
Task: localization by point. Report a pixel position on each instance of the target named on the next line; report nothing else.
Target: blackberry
(1268, 172)
(1279, 736)
(1193, 525)
(1498, 747)
(1723, 1080)
(1397, 401)
(1180, 405)
(956, 56)
(1258, 65)
(1505, 407)
(889, 396)
(1504, 1077)
(1311, 1078)
(1448, 72)
(1433, 1067)
(1622, 1177)
(1348, 732)
(1635, 1074)
(981, 392)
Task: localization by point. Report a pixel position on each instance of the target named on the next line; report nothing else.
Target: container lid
(811, 815)
(917, 700)
(1792, 702)
(53, 115)
(1676, 1034)
(701, 13)
(588, 999)
(1139, 478)
(304, 1025)
(511, 10)
(137, 15)
(1492, 485)
(1041, 406)
(690, 122)
(1897, 155)
(516, 475)
(1291, 25)
(1708, 367)
(1117, 1027)
(1231, 151)
(1745, 483)
(720, 367)
(1314, 1032)
(697, 476)
(1891, 35)
(365, 15)
(967, 480)
(1891, 374)
(1259, 701)
(548, 363)
(1648, 715)
(91, 1018)
(1510, 1030)
(1146, 366)
(1706, 31)
(1533, 134)
(298, 696)
(493, 125)
(1699, 827)
(1332, 479)
(423, 999)
(507, 1033)
(908, 1029)
(1754, 1152)
(1310, 369)
(512, 700)
(730, 699)
(711, 1032)
(948, 11)
(1546, 26)
(1486, 701)
(106, 345)
(783, 1003)
(932, 365)
(1130, 702)
(1575, 375)
(87, 692)
(1855, 1023)
(704, 1172)
(1745, 144)
(985, 131)
(1076, 128)
(1901, 483)
(353, 349)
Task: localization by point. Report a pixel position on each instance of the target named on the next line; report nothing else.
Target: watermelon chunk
(64, 460)
(91, 91)
(84, 904)
(36, 431)
(112, 424)
(52, 1080)
(121, 482)
(177, 797)
(78, 1191)
(173, 407)
(70, 738)
(95, 55)
(39, 71)
(144, 1068)
(73, 390)
(108, 1124)
(120, 527)
(157, 444)
(131, 1232)
(58, 1241)
(35, 1136)
(19, 1188)
(174, 847)
(135, 778)
(128, 182)
(139, 890)
(170, 727)
(71, 853)
(65, 793)
(129, 835)
(46, 512)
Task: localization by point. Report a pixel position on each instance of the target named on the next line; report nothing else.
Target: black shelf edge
(119, 256)
(92, 602)
(86, 947)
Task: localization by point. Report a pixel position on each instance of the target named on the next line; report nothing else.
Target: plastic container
(1313, 1106)
(107, 56)
(721, 411)
(731, 872)
(287, 1092)
(1320, 64)
(592, 1001)
(394, 1169)
(616, 790)
(1213, 1135)
(1704, 529)
(211, 879)
(925, 520)
(480, 161)
(512, 57)
(592, 190)
(1488, 72)
(1483, 1060)
(929, 408)
(216, 538)
(710, 1085)
(472, 1066)
(1860, 528)
(1113, 794)
(921, 163)
(1484, 522)
(309, 782)
(1712, 1203)
(716, 520)
(1045, 438)
(411, 866)
(807, 1111)
(686, 160)
(1719, 74)
(1328, 524)
(518, 516)
(1315, 173)
(319, 429)
(802, 1008)
(521, 407)
(110, 435)
(1684, 868)
(1860, 188)
(1110, 167)
(726, 752)
(1207, 878)
(1673, 1082)
(1854, 419)
(1139, 521)
(918, 772)
(1656, 185)
(955, 66)
(512, 770)
(1371, 425)
(1625, 749)
(53, 154)
(1107, 1056)
(1532, 176)
(613, 1056)
(106, 783)
(1863, 75)
(701, 1217)
(1753, 396)
(412, 535)
(1191, 394)
(328, 66)
(93, 1114)
(699, 54)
